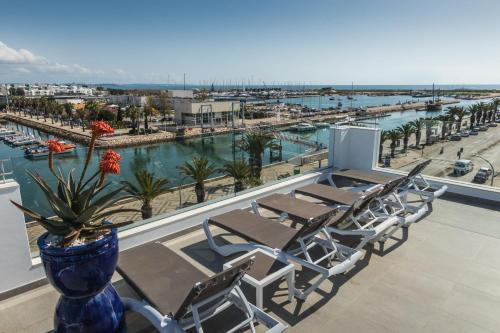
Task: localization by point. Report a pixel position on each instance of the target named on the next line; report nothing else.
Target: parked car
(492, 125)
(497, 120)
(461, 167)
(474, 131)
(482, 175)
(464, 134)
(456, 137)
(483, 128)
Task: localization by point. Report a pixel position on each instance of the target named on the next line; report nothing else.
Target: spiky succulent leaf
(59, 207)
(56, 227)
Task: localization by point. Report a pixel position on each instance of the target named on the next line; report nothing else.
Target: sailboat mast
(352, 92)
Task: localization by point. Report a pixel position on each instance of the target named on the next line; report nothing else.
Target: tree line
(480, 113)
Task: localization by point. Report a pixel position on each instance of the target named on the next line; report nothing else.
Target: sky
(251, 42)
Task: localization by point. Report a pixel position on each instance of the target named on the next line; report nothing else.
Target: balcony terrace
(439, 275)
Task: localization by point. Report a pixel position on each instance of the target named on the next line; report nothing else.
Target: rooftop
(440, 275)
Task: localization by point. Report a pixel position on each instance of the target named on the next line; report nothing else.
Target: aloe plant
(80, 207)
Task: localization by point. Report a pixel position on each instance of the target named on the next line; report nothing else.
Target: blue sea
(162, 86)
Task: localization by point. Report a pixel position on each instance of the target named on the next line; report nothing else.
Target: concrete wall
(16, 266)
(353, 147)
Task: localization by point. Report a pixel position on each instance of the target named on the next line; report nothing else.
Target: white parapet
(352, 147)
(16, 266)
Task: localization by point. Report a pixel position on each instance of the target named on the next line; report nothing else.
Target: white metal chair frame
(398, 202)
(347, 255)
(195, 316)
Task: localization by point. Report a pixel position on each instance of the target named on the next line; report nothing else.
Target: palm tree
(495, 102)
(384, 135)
(473, 112)
(394, 135)
(200, 169)
(418, 125)
(457, 113)
(68, 108)
(133, 113)
(483, 107)
(149, 110)
(147, 189)
(445, 120)
(429, 122)
(82, 114)
(255, 142)
(240, 171)
(406, 131)
(165, 107)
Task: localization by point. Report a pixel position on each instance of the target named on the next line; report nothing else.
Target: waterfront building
(127, 99)
(179, 93)
(140, 101)
(213, 113)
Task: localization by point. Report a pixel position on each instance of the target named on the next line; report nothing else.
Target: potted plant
(146, 190)
(79, 251)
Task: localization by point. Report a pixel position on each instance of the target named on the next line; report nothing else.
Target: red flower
(109, 166)
(100, 128)
(55, 146)
(111, 155)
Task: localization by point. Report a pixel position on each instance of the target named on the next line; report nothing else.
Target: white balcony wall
(16, 266)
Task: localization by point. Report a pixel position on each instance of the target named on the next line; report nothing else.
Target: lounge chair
(388, 199)
(286, 243)
(177, 296)
(360, 226)
(415, 182)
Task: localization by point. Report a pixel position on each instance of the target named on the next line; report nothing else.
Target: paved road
(486, 144)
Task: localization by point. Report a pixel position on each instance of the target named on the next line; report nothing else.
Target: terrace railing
(4, 175)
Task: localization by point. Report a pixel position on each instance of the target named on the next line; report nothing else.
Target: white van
(462, 167)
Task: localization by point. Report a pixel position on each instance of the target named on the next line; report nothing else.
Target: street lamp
(492, 168)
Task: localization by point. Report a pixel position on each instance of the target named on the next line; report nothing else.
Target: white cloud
(11, 56)
(24, 62)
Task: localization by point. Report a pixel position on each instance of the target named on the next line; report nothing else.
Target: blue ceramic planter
(82, 275)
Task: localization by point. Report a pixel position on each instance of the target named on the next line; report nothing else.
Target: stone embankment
(76, 134)
(402, 107)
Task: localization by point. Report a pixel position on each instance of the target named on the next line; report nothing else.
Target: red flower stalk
(100, 128)
(111, 155)
(55, 146)
(109, 166)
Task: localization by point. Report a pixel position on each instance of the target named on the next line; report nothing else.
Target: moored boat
(303, 127)
(322, 125)
(42, 151)
(28, 140)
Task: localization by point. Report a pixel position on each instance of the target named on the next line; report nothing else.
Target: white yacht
(303, 127)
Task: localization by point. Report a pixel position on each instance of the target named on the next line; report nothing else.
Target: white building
(125, 100)
(188, 112)
(180, 94)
